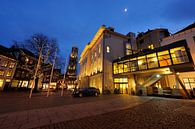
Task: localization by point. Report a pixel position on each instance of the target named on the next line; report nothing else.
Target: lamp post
(51, 75)
(37, 68)
(62, 92)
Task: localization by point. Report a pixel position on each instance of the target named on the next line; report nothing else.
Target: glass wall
(163, 58)
(152, 60)
(179, 55)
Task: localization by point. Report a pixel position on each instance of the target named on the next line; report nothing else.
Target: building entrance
(121, 84)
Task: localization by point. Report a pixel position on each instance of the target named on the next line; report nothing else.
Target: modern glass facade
(157, 58)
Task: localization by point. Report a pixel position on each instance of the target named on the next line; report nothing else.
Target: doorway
(123, 87)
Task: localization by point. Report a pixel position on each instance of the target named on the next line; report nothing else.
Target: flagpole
(62, 92)
(51, 75)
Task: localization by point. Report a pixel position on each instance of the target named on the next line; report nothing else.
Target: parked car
(90, 91)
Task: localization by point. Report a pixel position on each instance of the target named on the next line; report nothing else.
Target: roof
(6, 52)
(187, 28)
(142, 34)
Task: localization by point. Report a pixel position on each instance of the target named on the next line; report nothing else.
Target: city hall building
(165, 67)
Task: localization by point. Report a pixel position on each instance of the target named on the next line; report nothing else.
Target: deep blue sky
(74, 22)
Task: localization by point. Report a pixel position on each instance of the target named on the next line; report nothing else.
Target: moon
(125, 9)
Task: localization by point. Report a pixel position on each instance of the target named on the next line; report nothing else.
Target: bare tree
(41, 43)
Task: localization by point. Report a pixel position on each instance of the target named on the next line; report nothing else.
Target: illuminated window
(95, 54)
(107, 49)
(134, 64)
(189, 83)
(1, 83)
(142, 62)
(128, 49)
(115, 68)
(179, 55)
(8, 80)
(9, 73)
(11, 65)
(99, 49)
(4, 63)
(120, 80)
(151, 46)
(120, 68)
(164, 58)
(152, 60)
(1, 72)
(127, 66)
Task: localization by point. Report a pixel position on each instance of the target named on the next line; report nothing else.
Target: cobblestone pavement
(158, 113)
(19, 101)
(83, 108)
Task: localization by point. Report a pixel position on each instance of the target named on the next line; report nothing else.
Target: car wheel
(96, 94)
(80, 95)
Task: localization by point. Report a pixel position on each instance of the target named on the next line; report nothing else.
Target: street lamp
(35, 75)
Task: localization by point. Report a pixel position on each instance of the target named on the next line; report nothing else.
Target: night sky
(74, 22)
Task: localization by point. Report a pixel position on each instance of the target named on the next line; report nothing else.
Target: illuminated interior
(121, 84)
(172, 56)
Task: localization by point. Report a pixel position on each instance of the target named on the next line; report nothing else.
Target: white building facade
(96, 58)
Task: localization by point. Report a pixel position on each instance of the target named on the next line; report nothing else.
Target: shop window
(189, 83)
(152, 60)
(179, 55)
(1, 72)
(1, 83)
(164, 58)
(142, 64)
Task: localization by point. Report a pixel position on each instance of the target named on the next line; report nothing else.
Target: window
(11, 65)
(127, 66)
(151, 46)
(142, 62)
(107, 49)
(1, 72)
(1, 83)
(164, 58)
(179, 55)
(152, 60)
(189, 83)
(128, 49)
(120, 80)
(4, 63)
(9, 73)
(134, 64)
(120, 68)
(99, 49)
(115, 68)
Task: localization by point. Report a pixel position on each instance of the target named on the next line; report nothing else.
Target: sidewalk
(40, 117)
